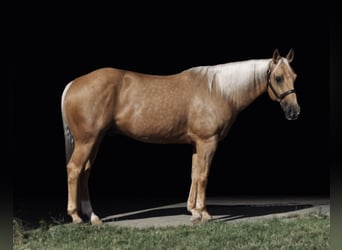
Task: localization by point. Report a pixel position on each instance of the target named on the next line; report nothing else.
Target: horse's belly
(156, 128)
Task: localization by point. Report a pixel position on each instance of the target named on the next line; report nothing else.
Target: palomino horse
(196, 106)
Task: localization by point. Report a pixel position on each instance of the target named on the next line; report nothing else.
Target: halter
(269, 84)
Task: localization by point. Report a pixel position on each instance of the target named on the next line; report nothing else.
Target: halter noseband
(269, 84)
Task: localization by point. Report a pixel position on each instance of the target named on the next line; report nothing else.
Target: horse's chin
(291, 117)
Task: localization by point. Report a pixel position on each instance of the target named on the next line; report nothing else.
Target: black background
(264, 154)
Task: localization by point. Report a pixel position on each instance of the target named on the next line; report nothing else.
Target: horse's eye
(278, 79)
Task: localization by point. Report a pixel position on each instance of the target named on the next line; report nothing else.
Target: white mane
(232, 77)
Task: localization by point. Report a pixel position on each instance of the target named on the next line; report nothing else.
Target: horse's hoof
(77, 221)
(206, 217)
(196, 221)
(206, 220)
(95, 220)
(196, 218)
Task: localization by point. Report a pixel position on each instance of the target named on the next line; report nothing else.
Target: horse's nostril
(297, 111)
(291, 112)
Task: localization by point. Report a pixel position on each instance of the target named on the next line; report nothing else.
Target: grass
(300, 232)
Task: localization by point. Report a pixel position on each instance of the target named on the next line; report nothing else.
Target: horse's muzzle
(291, 111)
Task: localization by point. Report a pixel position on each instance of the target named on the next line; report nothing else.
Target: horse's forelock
(284, 61)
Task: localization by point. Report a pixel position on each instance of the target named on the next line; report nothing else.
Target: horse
(196, 106)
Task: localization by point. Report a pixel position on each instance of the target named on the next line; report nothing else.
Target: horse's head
(280, 81)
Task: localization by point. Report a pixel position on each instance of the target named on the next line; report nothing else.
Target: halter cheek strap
(281, 96)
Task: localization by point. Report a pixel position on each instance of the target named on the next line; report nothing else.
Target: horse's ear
(290, 55)
(276, 56)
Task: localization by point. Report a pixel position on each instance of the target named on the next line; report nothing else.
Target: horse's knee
(73, 173)
(202, 180)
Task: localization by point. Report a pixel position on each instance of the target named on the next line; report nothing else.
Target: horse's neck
(241, 82)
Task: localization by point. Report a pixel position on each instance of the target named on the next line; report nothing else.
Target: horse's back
(154, 108)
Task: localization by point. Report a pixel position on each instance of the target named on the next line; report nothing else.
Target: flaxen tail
(68, 137)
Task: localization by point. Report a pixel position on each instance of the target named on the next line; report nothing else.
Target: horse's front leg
(201, 161)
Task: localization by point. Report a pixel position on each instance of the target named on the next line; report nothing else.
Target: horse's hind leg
(86, 207)
(75, 167)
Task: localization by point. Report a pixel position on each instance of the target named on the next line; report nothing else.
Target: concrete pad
(228, 209)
